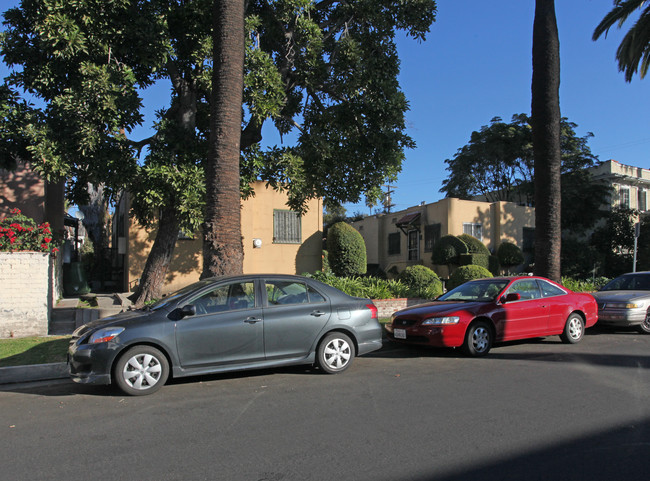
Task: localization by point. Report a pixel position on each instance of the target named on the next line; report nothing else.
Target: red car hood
(439, 307)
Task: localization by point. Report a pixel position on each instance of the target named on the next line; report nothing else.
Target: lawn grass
(33, 350)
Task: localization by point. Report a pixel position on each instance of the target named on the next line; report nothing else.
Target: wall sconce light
(257, 243)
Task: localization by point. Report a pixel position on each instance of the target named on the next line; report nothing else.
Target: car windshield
(170, 298)
(629, 282)
(485, 290)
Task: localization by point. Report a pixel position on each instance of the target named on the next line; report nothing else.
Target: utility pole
(388, 200)
(637, 233)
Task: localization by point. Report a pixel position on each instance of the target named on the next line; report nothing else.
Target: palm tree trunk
(223, 252)
(545, 120)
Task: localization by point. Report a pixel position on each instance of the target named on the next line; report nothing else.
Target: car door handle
(252, 320)
(317, 313)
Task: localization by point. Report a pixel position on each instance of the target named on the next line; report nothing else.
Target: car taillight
(373, 311)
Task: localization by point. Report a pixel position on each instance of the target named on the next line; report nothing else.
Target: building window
(642, 205)
(393, 244)
(475, 230)
(431, 236)
(287, 227)
(414, 245)
(529, 240)
(624, 197)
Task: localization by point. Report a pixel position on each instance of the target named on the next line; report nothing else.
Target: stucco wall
(26, 293)
(257, 223)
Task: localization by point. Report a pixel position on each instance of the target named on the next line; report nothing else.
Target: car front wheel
(574, 329)
(141, 370)
(335, 353)
(478, 339)
(644, 328)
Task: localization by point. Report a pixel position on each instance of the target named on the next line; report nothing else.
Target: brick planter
(28, 289)
(386, 307)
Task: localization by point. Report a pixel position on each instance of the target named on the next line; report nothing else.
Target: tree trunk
(95, 222)
(155, 269)
(223, 252)
(545, 120)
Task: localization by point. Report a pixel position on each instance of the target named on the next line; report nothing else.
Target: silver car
(625, 301)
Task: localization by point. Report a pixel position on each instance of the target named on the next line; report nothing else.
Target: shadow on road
(619, 453)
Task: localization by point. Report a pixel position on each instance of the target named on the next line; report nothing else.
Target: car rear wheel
(141, 370)
(574, 329)
(335, 353)
(478, 339)
(644, 328)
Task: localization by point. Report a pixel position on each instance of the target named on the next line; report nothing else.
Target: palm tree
(545, 121)
(633, 53)
(223, 252)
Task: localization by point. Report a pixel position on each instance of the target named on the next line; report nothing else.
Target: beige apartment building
(630, 185)
(397, 240)
(276, 240)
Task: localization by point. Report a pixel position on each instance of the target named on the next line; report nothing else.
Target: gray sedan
(625, 301)
(226, 324)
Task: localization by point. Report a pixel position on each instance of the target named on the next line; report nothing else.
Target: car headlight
(438, 321)
(104, 335)
(622, 305)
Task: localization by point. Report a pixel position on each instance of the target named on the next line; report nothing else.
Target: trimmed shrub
(494, 266)
(509, 255)
(346, 250)
(474, 260)
(474, 246)
(466, 273)
(447, 250)
(422, 282)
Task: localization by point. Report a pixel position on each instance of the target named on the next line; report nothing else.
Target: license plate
(399, 333)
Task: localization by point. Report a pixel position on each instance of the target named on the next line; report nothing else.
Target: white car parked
(625, 301)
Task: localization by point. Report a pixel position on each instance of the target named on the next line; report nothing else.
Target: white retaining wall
(28, 290)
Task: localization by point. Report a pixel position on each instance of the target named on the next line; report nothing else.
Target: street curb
(35, 372)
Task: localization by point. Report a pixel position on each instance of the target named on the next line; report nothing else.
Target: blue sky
(476, 65)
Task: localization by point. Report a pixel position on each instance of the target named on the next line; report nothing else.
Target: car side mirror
(181, 312)
(514, 296)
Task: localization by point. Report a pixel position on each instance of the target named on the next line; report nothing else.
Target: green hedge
(510, 254)
(422, 282)
(466, 273)
(474, 246)
(447, 250)
(346, 250)
(376, 288)
(475, 260)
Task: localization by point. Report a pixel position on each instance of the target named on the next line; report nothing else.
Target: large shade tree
(324, 73)
(633, 53)
(497, 164)
(545, 121)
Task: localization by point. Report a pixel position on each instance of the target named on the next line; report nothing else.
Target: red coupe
(478, 313)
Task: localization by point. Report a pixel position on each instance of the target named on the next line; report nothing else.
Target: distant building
(630, 185)
(397, 240)
(24, 189)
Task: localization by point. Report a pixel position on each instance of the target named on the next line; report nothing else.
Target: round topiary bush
(509, 255)
(422, 282)
(474, 246)
(466, 273)
(346, 251)
(447, 250)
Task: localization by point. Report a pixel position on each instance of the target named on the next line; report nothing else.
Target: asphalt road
(537, 410)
